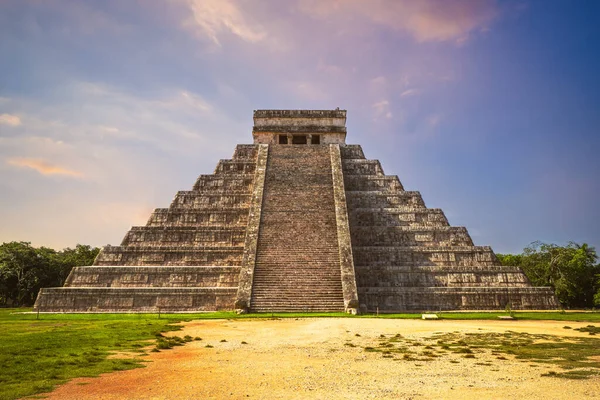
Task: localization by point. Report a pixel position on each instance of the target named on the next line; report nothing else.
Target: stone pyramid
(297, 221)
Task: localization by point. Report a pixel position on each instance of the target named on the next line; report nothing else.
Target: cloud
(382, 109)
(380, 80)
(424, 20)
(43, 167)
(307, 90)
(213, 18)
(409, 92)
(10, 120)
(329, 68)
(195, 101)
(434, 120)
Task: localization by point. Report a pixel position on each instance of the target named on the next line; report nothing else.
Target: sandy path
(306, 358)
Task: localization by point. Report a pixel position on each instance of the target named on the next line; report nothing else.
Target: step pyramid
(297, 221)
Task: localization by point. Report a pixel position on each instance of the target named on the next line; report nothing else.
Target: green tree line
(571, 270)
(25, 269)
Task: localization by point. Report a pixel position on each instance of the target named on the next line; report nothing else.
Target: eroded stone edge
(343, 232)
(244, 293)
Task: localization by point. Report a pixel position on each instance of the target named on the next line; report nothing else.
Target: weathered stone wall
(225, 216)
(327, 136)
(197, 244)
(82, 299)
(330, 125)
(343, 232)
(408, 258)
(163, 276)
(398, 235)
(300, 118)
(459, 298)
(440, 276)
(246, 278)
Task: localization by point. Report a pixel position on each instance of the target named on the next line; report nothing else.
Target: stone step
(351, 151)
(219, 191)
(235, 167)
(297, 301)
(303, 253)
(379, 199)
(155, 276)
(456, 298)
(245, 151)
(283, 283)
(410, 268)
(297, 287)
(283, 294)
(184, 236)
(297, 250)
(285, 309)
(165, 217)
(224, 182)
(70, 299)
(361, 167)
(388, 183)
(195, 200)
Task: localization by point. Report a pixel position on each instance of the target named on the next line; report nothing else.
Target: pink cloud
(213, 18)
(409, 92)
(424, 20)
(382, 109)
(43, 167)
(10, 120)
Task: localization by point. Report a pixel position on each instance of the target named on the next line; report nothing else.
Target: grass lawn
(37, 354)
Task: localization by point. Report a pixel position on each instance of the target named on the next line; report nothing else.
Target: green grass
(37, 354)
(591, 329)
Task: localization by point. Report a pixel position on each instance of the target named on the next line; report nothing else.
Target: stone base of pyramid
(143, 289)
(422, 299)
(194, 299)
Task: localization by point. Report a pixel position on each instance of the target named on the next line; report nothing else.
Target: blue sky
(490, 108)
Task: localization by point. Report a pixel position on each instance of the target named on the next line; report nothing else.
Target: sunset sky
(491, 109)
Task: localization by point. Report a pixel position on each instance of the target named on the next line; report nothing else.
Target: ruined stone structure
(297, 221)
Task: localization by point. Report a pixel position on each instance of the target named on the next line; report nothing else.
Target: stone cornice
(300, 128)
(299, 113)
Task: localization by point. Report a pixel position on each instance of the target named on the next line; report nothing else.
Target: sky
(491, 109)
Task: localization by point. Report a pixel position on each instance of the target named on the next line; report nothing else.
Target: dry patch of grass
(575, 357)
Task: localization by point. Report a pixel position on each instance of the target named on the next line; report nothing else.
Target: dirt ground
(307, 358)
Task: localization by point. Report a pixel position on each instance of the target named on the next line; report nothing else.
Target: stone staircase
(408, 258)
(297, 260)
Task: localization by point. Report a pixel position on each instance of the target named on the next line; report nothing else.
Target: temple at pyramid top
(299, 126)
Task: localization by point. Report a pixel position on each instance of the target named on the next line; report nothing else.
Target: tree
(571, 270)
(25, 269)
(81, 255)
